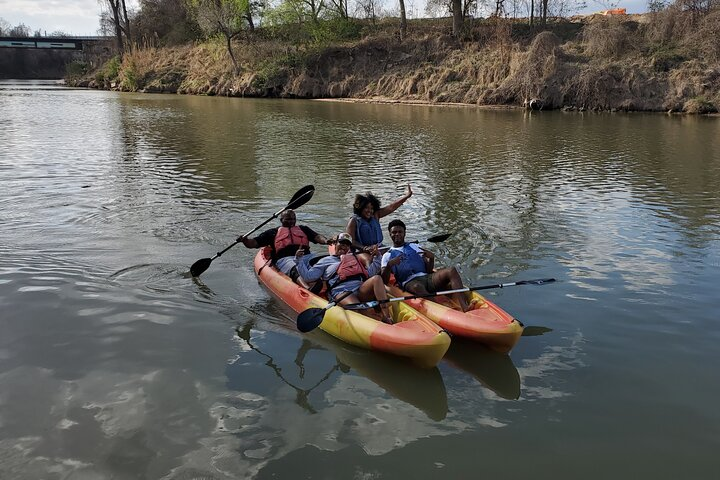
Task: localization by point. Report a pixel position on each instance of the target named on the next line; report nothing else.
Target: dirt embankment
(630, 63)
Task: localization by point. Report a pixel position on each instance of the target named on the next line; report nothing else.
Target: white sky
(80, 17)
(76, 17)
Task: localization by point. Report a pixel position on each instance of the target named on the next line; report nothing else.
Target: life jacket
(350, 268)
(368, 232)
(411, 264)
(286, 237)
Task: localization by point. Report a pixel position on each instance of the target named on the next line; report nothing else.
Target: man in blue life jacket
(413, 268)
(285, 241)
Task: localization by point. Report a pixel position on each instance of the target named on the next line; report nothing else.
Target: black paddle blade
(200, 266)
(439, 238)
(301, 197)
(310, 319)
(541, 281)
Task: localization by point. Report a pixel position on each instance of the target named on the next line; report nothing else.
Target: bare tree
(435, 8)
(340, 7)
(369, 9)
(403, 20)
(457, 10)
(121, 22)
(19, 30)
(226, 17)
(4, 27)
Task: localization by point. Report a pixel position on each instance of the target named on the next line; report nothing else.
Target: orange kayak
(413, 335)
(485, 322)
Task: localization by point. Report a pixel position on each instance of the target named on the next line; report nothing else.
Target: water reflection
(421, 388)
(301, 394)
(494, 370)
(535, 331)
(127, 375)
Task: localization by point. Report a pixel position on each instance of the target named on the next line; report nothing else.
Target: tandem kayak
(485, 322)
(413, 335)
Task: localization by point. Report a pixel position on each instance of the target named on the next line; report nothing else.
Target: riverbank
(620, 63)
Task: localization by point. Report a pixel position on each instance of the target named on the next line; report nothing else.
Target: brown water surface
(115, 364)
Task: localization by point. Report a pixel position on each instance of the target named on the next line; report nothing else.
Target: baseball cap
(344, 237)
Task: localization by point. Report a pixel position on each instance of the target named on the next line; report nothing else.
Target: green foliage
(129, 81)
(272, 71)
(699, 105)
(219, 16)
(288, 12)
(109, 71)
(164, 22)
(112, 67)
(664, 58)
(76, 69)
(333, 30)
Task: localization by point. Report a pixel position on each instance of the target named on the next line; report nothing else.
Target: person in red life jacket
(413, 268)
(285, 241)
(343, 272)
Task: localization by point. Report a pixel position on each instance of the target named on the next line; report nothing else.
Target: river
(114, 363)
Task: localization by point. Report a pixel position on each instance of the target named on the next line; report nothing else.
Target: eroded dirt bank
(602, 63)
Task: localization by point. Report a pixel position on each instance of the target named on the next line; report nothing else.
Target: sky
(80, 17)
(75, 17)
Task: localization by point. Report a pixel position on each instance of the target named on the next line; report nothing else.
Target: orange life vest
(350, 268)
(286, 237)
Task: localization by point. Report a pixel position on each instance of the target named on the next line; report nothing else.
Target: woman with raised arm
(364, 226)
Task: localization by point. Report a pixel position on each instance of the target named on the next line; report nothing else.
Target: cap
(344, 237)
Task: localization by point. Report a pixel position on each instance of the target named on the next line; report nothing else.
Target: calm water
(115, 364)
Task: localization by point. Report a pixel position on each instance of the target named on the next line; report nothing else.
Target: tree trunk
(126, 21)
(115, 7)
(457, 18)
(228, 38)
(251, 24)
(532, 11)
(403, 21)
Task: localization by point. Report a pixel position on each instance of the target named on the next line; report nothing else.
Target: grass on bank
(662, 61)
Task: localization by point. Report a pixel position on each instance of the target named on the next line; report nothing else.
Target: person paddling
(413, 268)
(364, 226)
(285, 241)
(343, 272)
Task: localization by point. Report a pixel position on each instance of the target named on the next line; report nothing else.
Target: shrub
(699, 105)
(76, 69)
(334, 30)
(608, 38)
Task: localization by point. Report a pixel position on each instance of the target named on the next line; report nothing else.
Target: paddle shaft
(275, 215)
(297, 200)
(457, 290)
(435, 239)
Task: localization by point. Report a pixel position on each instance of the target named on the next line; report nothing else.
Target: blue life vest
(411, 264)
(368, 232)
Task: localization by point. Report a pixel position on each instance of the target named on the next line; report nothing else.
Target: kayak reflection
(422, 388)
(492, 369)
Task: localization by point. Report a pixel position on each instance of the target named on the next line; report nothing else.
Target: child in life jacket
(343, 272)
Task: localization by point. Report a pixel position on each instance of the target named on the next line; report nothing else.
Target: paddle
(435, 239)
(300, 198)
(375, 303)
(312, 317)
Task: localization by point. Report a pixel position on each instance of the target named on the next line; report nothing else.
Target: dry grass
(608, 37)
(668, 61)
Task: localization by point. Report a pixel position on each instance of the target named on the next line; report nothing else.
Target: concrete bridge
(63, 43)
(48, 57)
